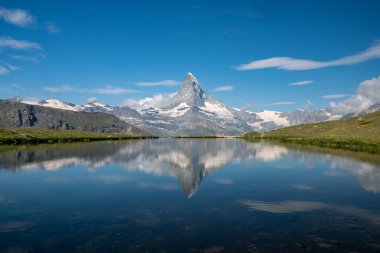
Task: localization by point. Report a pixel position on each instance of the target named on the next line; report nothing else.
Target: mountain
(192, 111)
(17, 114)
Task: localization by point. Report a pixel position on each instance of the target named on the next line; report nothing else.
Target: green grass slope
(42, 135)
(361, 133)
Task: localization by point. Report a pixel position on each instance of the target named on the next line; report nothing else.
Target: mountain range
(192, 112)
(17, 114)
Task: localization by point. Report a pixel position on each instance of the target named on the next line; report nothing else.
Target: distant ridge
(17, 114)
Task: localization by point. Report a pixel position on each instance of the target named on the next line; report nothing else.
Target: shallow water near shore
(187, 195)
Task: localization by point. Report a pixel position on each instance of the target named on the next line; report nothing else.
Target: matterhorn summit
(189, 93)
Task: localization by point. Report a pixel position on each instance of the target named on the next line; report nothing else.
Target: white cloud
(107, 90)
(224, 88)
(287, 63)
(110, 90)
(157, 101)
(301, 83)
(58, 89)
(91, 100)
(3, 70)
(10, 66)
(8, 42)
(12, 88)
(335, 96)
(17, 87)
(282, 103)
(34, 59)
(159, 83)
(368, 94)
(309, 105)
(52, 28)
(17, 17)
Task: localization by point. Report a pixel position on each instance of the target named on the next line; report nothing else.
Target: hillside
(16, 115)
(357, 133)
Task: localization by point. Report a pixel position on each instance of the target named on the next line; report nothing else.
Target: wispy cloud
(52, 28)
(157, 101)
(3, 70)
(17, 17)
(335, 96)
(8, 42)
(159, 83)
(58, 89)
(282, 103)
(287, 63)
(111, 90)
(10, 66)
(224, 88)
(107, 90)
(34, 58)
(12, 88)
(301, 83)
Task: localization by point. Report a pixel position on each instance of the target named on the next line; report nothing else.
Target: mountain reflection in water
(189, 160)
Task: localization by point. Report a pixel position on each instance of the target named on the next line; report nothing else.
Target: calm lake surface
(187, 195)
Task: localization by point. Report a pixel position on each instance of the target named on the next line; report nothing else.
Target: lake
(187, 195)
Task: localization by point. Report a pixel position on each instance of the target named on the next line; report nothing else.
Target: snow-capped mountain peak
(189, 76)
(189, 93)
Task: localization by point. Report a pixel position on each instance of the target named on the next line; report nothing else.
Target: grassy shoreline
(16, 136)
(348, 144)
(361, 133)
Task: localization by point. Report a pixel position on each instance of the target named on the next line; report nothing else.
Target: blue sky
(246, 53)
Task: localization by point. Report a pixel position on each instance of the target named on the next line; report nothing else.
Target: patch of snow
(219, 110)
(103, 106)
(256, 124)
(30, 102)
(177, 111)
(55, 103)
(273, 116)
(106, 107)
(157, 122)
(207, 113)
(335, 117)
